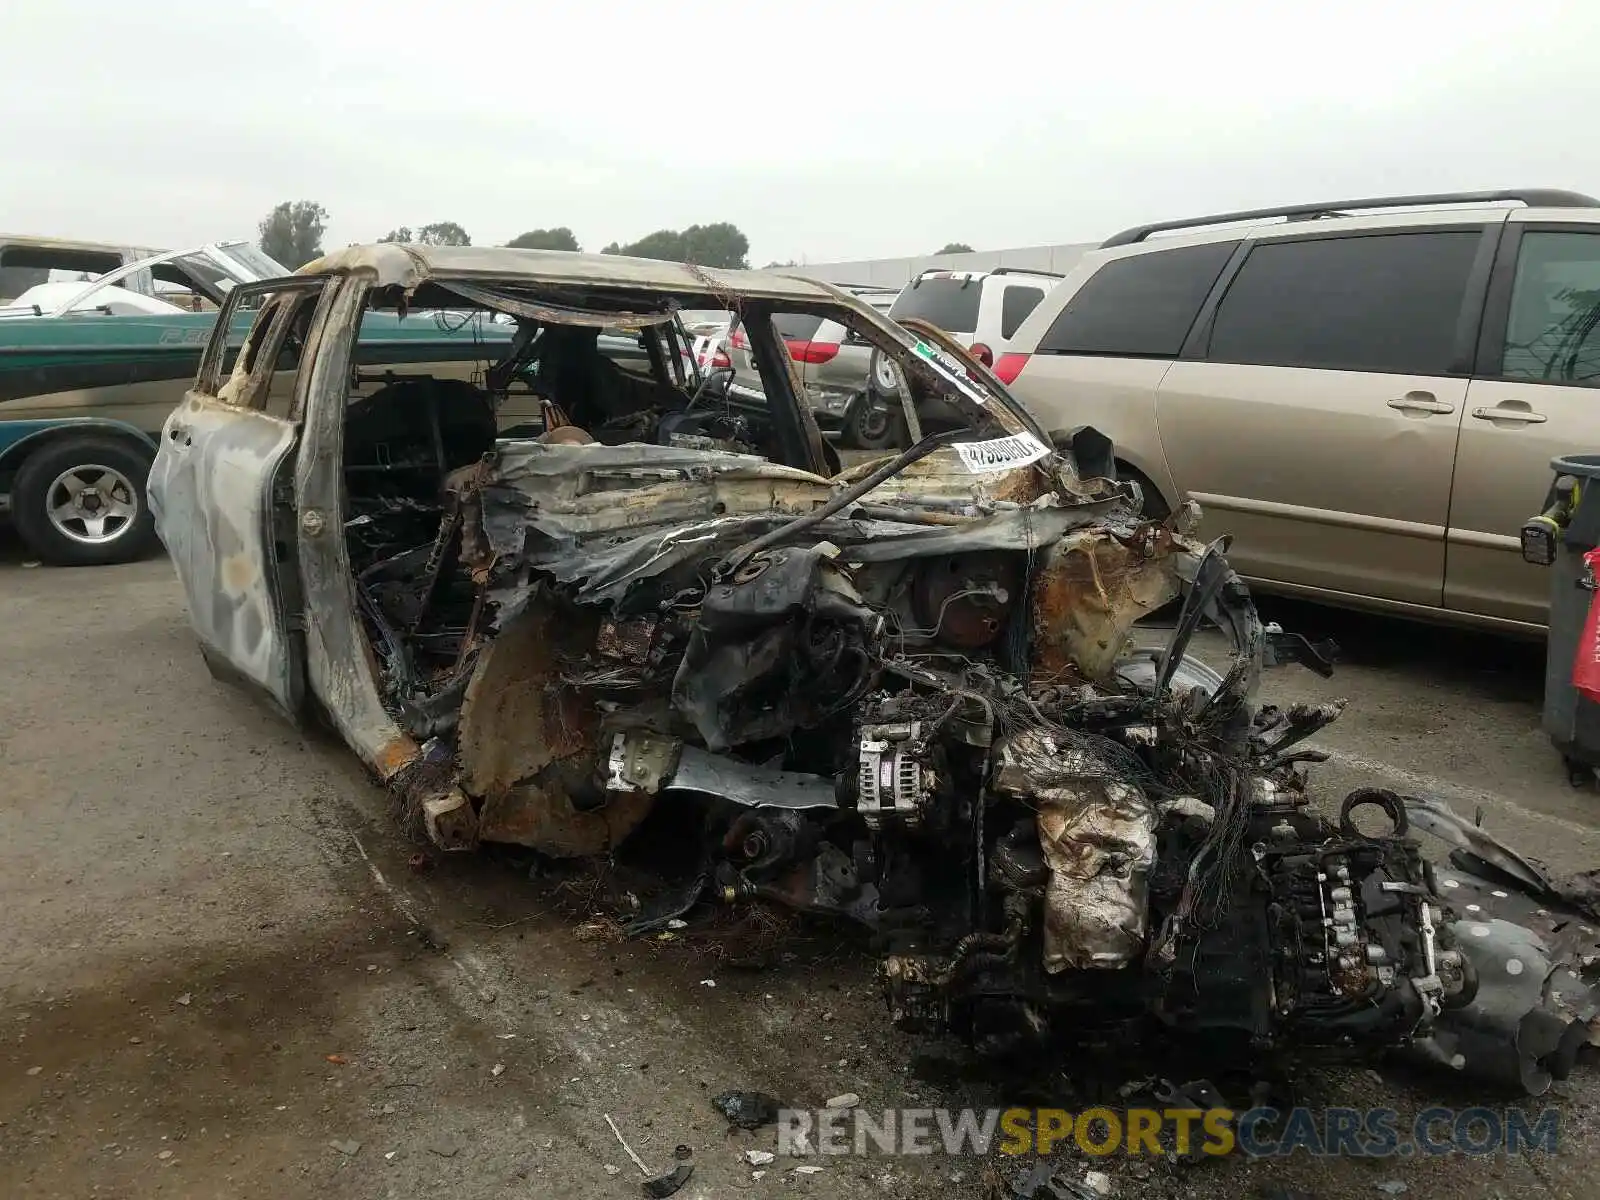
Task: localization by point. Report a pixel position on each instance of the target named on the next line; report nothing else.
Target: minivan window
(1015, 306)
(1387, 302)
(949, 303)
(1553, 332)
(1138, 306)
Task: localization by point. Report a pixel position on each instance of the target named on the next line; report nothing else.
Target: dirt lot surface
(220, 977)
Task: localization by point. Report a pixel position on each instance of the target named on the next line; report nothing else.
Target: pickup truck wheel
(80, 502)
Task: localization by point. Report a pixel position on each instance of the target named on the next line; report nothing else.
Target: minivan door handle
(1501, 412)
(1421, 402)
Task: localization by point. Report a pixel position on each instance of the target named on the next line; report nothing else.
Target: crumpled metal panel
(209, 491)
(1097, 831)
(608, 516)
(943, 477)
(1016, 529)
(1087, 593)
(605, 568)
(526, 744)
(565, 495)
(748, 783)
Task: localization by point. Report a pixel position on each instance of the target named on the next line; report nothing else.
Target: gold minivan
(1366, 394)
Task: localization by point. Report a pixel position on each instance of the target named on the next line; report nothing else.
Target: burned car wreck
(910, 694)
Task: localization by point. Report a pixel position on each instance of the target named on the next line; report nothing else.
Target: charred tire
(80, 502)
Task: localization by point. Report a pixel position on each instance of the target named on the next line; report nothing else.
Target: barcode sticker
(1001, 454)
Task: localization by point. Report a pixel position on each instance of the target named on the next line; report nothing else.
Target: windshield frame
(928, 357)
(942, 361)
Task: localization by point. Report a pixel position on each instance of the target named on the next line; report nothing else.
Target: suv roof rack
(1026, 271)
(1532, 197)
(985, 271)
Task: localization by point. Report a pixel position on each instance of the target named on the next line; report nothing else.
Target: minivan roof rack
(1532, 197)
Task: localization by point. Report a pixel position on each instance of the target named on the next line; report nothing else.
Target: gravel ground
(220, 976)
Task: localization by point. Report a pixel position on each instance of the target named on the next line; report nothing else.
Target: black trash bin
(1560, 536)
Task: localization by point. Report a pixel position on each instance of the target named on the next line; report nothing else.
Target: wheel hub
(874, 420)
(92, 504)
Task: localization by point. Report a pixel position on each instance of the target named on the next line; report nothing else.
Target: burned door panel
(211, 489)
(214, 491)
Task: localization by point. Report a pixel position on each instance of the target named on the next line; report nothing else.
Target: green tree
(717, 245)
(440, 233)
(443, 233)
(559, 238)
(663, 243)
(292, 232)
(774, 264)
(955, 248)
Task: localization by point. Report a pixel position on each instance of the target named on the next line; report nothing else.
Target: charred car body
(907, 694)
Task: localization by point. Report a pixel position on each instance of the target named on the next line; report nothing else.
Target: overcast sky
(823, 129)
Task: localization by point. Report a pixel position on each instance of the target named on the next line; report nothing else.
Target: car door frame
(1488, 368)
(339, 670)
(225, 458)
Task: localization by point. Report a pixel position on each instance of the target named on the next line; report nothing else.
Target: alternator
(894, 783)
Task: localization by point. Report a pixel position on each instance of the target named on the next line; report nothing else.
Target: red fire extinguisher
(1586, 661)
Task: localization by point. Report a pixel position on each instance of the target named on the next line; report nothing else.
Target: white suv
(980, 309)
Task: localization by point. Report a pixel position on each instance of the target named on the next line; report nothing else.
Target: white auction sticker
(952, 371)
(1001, 454)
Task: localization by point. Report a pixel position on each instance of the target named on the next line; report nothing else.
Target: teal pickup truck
(89, 370)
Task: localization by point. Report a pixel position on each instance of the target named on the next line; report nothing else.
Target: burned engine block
(1118, 913)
